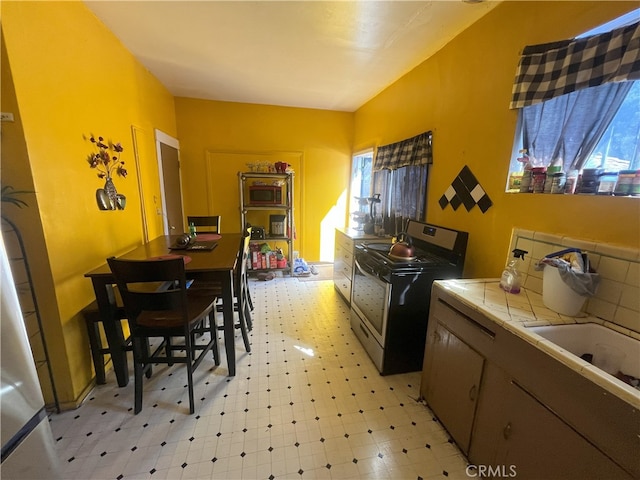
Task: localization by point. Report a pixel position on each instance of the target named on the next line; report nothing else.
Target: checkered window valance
(410, 152)
(552, 69)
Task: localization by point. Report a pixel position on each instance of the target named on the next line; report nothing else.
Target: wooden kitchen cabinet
(344, 256)
(453, 385)
(343, 264)
(454, 362)
(529, 412)
(535, 443)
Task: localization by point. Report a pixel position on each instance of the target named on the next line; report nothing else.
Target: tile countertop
(516, 312)
(360, 235)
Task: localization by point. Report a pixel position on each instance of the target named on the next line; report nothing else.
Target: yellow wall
(73, 77)
(462, 93)
(217, 139)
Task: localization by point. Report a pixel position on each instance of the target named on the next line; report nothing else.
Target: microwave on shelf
(265, 195)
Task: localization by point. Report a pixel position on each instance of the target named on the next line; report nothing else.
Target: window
(361, 169)
(570, 130)
(619, 146)
(400, 178)
(403, 192)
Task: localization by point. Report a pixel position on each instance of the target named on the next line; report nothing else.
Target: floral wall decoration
(107, 162)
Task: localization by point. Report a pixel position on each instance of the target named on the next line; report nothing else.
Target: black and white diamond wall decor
(465, 190)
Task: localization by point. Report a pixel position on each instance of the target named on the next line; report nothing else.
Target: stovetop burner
(434, 247)
(421, 258)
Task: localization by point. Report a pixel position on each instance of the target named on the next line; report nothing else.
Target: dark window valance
(553, 69)
(410, 152)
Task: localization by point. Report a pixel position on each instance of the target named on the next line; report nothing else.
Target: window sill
(513, 192)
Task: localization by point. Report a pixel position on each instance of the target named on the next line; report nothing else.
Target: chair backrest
(208, 224)
(151, 286)
(241, 265)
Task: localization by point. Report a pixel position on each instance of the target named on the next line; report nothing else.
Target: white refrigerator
(28, 450)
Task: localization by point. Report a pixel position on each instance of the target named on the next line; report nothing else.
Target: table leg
(113, 330)
(229, 329)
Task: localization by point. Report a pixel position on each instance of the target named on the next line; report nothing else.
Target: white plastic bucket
(557, 295)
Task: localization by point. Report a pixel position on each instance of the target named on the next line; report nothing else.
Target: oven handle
(364, 331)
(366, 272)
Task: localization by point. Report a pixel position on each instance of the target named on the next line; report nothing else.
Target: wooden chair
(93, 320)
(210, 224)
(241, 289)
(167, 312)
(247, 260)
(241, 292)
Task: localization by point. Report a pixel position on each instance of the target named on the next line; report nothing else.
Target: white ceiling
(315, 54)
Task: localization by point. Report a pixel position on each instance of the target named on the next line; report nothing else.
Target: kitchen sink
(610, 350)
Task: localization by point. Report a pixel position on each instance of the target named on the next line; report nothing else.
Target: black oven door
(370, 297)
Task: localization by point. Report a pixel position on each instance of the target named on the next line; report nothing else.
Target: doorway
(168, 149)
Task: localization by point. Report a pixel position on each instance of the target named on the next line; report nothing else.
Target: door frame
(163, 138)
(137, 132)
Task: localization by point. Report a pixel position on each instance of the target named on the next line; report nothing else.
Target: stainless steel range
(390, 296)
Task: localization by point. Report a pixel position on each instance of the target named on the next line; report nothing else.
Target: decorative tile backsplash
(618, 297)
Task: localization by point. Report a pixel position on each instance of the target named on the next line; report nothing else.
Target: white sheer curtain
(403, 194)
(566, 129)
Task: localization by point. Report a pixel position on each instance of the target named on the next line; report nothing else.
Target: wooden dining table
(215, 265)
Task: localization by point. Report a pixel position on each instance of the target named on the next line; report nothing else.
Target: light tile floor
(307, 402)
